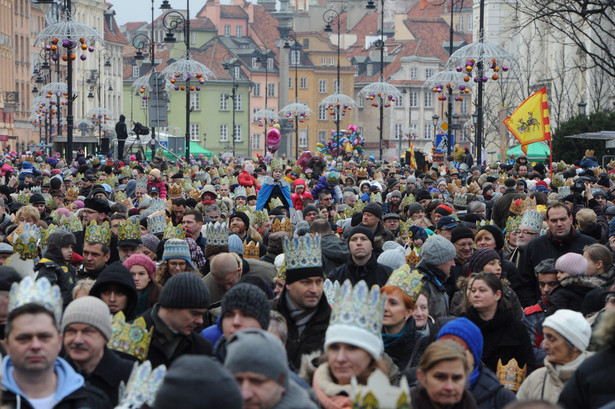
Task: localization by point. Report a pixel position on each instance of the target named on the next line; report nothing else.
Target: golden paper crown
(72, 194)
(407, 280)
(251, 250)
(275, 202)
(26, 242)
(512, 223)
(375, 197)
(362, 173)
(175, 190)
(511, 375)
(519, 206)
(129, 229)
(24, 197)
(46, 233)
(98, 233)
(277, 164)
(250, 191)
(132, 339)
(284, 225)
(412, 258)
(174, 232)
(262, 216)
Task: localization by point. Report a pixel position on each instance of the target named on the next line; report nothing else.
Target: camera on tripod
(139, 129)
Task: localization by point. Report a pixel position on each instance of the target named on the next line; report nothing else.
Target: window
(322, 86)
(238, 137)
(304, 83)
(290, 82)
(256, 141)
(269, 64)
(428, 99)
(369, 70)
(399, 101)
(428, 131)
(414, 99)
(428, 72)
(322, 136)
(399, 131)
(470, 23)
(271, 90)
(194, 132)
(238, 102)
(323, 61)
(414, 72)
(144, 103)
(336, 87)
(463, 107)
(303, 139)
(236, 72)
(460, 27)
(238, 31)
(331, 61)
(322, 113)
(256, 89)
(295, 57)
(193, 38)
(227, 30)
(223, 102)
(223, 133)
(361, 102)
(306, 43)
(135, 71)
(195, 101)
(254, 63)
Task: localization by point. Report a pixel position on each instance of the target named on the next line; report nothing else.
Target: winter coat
(420, 400)
(456, 307)
(541, 248)
(501, 207)
(381, 236)
(547, 383)
(330, 394)
(336, 192)
(600, 231)
(61, 274)
(161, 187)
(407, 350)
(433, 284)
(533, 317)
(71, 391)
(317, 164)
(606, 279)
(335, 252)
(313, 336)
(247, 180)
(110, 371)
(371, 272)
(504, 338)
(111, 275)
(295, 397)
(488, 392)
(298, 198)
(570, 293)
(592, 385)
(159, 352)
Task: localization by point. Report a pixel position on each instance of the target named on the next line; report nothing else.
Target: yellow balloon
(320, 145)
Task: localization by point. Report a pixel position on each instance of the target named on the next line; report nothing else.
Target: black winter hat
(497, 235)
(423, 194)
(37, 199)
(307, 209)
(8, 276)
(116, 274)
(244, 218)
(373, 208)
(98, 204)
(363, 230)
(185, 290)
(198, 382)
(480, 258)
(461, 232)
(56, 241)
(250, 299)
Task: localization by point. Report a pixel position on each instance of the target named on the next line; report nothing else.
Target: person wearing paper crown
(55, 264)
(275, 187)
(34, 376)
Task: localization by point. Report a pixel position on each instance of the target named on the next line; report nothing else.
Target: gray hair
(277, 326)
(475, 206)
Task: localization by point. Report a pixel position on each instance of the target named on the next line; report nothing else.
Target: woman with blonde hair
(175, 259)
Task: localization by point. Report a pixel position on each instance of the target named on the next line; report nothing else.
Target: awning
(535, 152)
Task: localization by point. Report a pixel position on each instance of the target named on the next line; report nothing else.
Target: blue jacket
(214, 332)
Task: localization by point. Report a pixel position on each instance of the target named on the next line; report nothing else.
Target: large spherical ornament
(505, 68)
(177, 88)
(468, 68)
(91, 48)
(84, 47)
(54, 41)
(83, 57)
(494, 77)
(54, 48)
(177, 74)
(192, 88)
(65, 58)
(182, 88)
(65, 43)
(466, 91)
(198, 88)
(462, 87)
(73, 57)
(199, 75)
(458, 68)
(202, 80)
(466, 78)
(476, 79)
(172, 80)
(188, 77)
(484, 78)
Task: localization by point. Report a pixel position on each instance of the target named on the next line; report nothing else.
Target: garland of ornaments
(187, 78)
(68, 45)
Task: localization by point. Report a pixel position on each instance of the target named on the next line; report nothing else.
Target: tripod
(139, 148)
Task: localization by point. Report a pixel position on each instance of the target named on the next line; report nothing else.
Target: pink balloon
(274, 139)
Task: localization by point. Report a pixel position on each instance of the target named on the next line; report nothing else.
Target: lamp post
(434, 119)
(330, 16)
(380, 44)
(259, 59)
(582, 107)
(450, 89)
(296, 55)
(232, 67)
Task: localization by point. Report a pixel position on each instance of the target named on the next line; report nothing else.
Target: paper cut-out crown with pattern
(243, 208)
(122, 198)
(331, 290)
(129, 229)
(356, 318)
(521, 205)
(175, 190)
(531, 219)
(275, 202)
(142, 387)
(26, 242)
(375, 197)
(174, 232)
(461, 200)
(50, 202)
(240, 191)
(283, 225)
(302, 252)
(41, 292)
(511, 375)
(409, 198)
(98, 233)
(379, 393)
(157, 222)
(132, 339)
(251, 250)
(482, 223)
(200, 175)
(512, 223)
(24, 197)
(563, 191)
(277, 163)
(142, 183)
(72, 194)
(46, 233)
(262, 216)
(250, 191)
(362, 173)
(217, 234)
(412, 258)
(157, 205)
(358, 207)
(408, 280)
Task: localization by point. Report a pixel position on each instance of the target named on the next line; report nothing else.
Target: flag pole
(551, 159)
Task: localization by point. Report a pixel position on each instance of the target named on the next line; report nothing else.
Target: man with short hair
(96, 210)
(179, 312)
(224, 273)
(193, 221)
(34, 376)
(335, 250)
(257, 360)
(310, 212)
(372, 216)
(127, 245)
(445, 226)
(86, 328)
(392, 222)
(437, 258)
(95, 258)
(363, 262)
(463, 240)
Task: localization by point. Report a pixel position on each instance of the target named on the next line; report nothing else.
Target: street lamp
(434, 119)
(330, 16)
(262, 57)
(232, 67)
(582, 107)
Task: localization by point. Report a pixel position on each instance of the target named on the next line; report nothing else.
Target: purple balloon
(55, 57)
(83, 57)
(65, 43)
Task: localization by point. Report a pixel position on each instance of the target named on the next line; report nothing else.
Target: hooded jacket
(571, 292)
(433, 284)
(298, 198)
(71, 391)
(371, 272)
(335, 252)
(53, 267)
(119, 275)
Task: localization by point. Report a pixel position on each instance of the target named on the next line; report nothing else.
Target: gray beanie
(184, 290)
(91, 311)
(393, 255)
(437, 250)
(250, 299)
(253, 350)
(198, 382)
(150, 241)
(414, 207)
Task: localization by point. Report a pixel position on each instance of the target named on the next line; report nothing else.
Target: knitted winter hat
(423, 194)
(414, 207)
(363, 230)
(198, 382)
(437, 250)
(480, 258)
(497, 235)
(259, 351)
(373, 208)
(141, 260)
(572, 263)
(155, 173)
(244, 218)
(444, 210)
(250, 299)
(184, 290)
(235, 244)
(471, 335)
(393, 255)
(571, 325)
(177, 249)
(309, 208)
(150, 241)
(91, 311)
(461, 232)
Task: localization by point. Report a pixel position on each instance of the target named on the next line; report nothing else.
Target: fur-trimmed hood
(581, 282)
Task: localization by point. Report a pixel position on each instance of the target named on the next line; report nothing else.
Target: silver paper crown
(331, 289)
(36, 190)
(200, 175)
(157, 205)
(217, 234)
(379, 393)
(240, 191)
(41, 292)
(157, 222)
(142, 386)
(461, 200)
(531, 219)
(302, 252)
(563, 191)
(142, 183)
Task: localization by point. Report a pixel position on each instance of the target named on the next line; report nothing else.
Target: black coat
(488, 392)
(570, 292)
(592, 385)
(111, 370)
(122, 278)
(504, 338)
(371, 272)
(542, 248)
(60, 274)
(192, 344)
(86, 397)
(408, 349)
(334, 252)
(313, 336)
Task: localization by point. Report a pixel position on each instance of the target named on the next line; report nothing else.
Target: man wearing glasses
(97, 210)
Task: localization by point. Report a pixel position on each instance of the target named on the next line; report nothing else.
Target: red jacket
(298, 198)
(247, 180)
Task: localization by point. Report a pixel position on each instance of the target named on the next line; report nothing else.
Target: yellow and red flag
(530, 121)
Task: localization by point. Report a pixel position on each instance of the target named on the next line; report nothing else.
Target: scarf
(390, 339)
(300, 317)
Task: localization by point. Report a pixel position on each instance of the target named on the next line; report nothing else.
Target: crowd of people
(317, 283)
